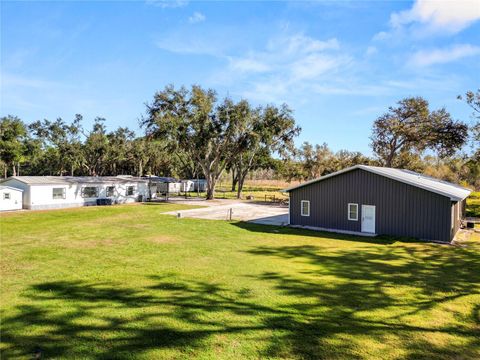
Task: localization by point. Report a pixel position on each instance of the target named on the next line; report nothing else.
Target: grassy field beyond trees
(473, 205)
(127, 282)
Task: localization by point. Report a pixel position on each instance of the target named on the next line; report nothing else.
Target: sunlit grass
(128, 282)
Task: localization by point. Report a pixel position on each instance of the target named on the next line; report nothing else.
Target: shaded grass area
(128, 282)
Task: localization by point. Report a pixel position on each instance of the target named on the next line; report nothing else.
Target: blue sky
(339, 65)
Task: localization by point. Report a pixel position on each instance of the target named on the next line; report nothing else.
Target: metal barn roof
(68, 180)
(453, 191)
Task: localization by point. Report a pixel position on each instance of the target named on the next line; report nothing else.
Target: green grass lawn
(127, 282)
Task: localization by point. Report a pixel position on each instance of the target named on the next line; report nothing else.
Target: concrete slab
(253, 212)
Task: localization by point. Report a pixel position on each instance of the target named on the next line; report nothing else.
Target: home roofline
(10, 187)
(112, 179)
(373, 171)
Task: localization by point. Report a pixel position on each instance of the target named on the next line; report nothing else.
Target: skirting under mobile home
(374, 200)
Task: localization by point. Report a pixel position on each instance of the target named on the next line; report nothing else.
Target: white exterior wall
(38, 196)
(22, 186)
(199, 185)
(173, 187)
(188, 186)
(14, 203)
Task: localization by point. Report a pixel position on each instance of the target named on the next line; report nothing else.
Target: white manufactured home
(160, 186)
(10, 198)
(199, 185)
(188, 186)
(49, 192)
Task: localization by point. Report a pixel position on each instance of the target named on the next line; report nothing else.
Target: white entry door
(368, 219)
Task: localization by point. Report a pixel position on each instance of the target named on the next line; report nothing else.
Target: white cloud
(313, 66)
(440, 56)
(382, 35)
(371, 50)
(288, 61)
(248, 65)
(197, 17)
(164, 4)
(451, 16)
(298, 55)
(300, 43)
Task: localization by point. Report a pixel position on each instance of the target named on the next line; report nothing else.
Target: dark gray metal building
(371, 200)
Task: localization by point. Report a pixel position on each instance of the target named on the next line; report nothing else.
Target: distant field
(256, 188)
(473, 205)
(126, 282)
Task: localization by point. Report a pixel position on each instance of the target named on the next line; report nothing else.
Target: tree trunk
(72, 170)
(241, 182)
(240, 187)
(210, 186)
(389, 160)
(234, 179)
(140, 168)
(5, 171)
(14, 170)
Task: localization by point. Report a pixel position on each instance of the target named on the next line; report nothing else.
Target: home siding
(40, 196)
(401, 209)
(14, 202)
(22, 186)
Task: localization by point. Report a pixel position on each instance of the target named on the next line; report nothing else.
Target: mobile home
(160, 185)
(10, 198)
(47, 192)
(199, 185)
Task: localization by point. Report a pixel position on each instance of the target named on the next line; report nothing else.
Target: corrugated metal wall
(401, 209)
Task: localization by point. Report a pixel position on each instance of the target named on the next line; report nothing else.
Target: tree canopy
(411, 128)
(218, 134)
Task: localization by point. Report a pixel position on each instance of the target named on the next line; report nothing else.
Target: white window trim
(6, 196)
(64, 194)
(348, 212)
(301, 207)
(133, 190)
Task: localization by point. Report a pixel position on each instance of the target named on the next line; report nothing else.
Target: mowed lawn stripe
(128, 282)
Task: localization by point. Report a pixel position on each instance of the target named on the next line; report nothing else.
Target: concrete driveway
(268, 214)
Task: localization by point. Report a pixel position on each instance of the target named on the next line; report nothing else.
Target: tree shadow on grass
(371, 282)
(323, 310)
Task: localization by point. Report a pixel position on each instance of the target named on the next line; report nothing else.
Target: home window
(58, 193)
(6, 196)
(130, 190)
(305, 208)
(90, 192)
(353, 212)
(110, 191)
